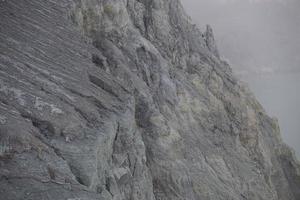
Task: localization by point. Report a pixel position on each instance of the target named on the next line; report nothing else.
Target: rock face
(126, 99)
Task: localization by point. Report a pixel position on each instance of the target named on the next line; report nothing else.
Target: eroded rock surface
(127, 99)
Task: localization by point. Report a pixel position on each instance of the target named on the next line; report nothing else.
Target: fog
(261, 41)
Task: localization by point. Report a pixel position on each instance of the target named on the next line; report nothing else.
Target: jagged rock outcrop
(115, 99)
(210, 41)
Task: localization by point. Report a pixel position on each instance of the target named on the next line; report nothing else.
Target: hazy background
(261, 40)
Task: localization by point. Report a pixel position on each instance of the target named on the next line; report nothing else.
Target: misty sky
(261, 41)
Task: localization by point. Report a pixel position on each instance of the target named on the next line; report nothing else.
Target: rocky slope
(126, 99)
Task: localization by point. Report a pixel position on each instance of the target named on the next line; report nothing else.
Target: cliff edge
(127, 99)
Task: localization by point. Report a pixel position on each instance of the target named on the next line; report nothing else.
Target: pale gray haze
(261, 40)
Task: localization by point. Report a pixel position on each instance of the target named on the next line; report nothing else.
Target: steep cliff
(126, 99)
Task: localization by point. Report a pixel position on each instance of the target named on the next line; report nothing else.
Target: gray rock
(127, 100)
(210, 41)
